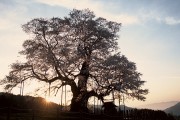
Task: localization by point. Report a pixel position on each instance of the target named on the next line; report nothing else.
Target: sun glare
(52, 99)
(49, 99)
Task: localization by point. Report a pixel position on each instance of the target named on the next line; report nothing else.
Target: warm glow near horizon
(52, 99)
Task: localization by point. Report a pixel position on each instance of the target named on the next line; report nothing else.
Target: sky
(149, 36)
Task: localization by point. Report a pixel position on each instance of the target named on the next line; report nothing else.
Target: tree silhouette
(81, 51)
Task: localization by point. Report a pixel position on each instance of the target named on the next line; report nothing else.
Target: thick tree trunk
(80, 99)
(79, 105)
(75, 105)
(83, 77)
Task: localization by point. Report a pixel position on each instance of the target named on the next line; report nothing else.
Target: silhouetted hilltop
(175, 110)
(25, 102)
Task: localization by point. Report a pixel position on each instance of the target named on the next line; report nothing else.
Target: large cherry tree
(81, 51)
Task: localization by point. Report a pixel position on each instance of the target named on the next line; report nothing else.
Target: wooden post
(33, 114)
(119, 96)
(22, 88)
(9, 113)
(65, 99)
(124, 103)
(49, 89)
(57, 113)
(62, 99)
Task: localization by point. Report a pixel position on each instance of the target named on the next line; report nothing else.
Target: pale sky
(149, 36)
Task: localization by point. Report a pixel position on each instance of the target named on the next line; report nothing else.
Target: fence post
(57, 113)
(9, 113)
(81, 115)
(33, 118)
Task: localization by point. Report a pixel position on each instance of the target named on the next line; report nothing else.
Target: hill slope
(175, 110)
(159, 106)
(25, 102)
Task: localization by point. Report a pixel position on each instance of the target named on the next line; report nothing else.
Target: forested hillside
(25, 102)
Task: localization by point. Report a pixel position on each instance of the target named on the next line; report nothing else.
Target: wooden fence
(29, 114)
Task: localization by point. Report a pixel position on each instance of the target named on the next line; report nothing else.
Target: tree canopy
(81, 51)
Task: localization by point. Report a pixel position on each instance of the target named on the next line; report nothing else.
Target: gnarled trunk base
(79, 105)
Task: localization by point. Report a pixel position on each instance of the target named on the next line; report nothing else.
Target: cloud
(171, 21)
(102, 9)
(156, 16)
(98, 7)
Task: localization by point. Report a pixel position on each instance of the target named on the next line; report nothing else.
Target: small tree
(79, 51)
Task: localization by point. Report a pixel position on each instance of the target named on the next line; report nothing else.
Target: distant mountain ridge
(175, 110)
(159, 106)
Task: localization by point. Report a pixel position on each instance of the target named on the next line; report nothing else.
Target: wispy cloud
(96, 6)
(154, 15)
(101, 8)
(172, 21)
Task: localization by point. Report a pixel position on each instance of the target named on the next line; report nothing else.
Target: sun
(54, 99)
(49, 99)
